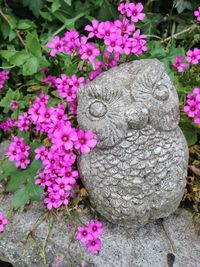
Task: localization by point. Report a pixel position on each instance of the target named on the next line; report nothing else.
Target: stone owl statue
(137, 172)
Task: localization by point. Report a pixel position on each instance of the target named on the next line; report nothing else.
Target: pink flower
(50, 80)
(85, 141)
(125, 45)
(106, 28)
(46, 114)
(179, 65)
(71, 94)
(42, 99)
(43, 180)
(124, 26)
(22, 161)
(70, 175)
(18, 152)
(4, 75)
(88, 236)
(76, 82)
(41, 153)
(113, 43)
(7, 125)
(89, 52)
(62, 85)
(94, 245)
(63, 199)
(197, 14)
(14, 104)
(193, 56)
(71, 38)
(134, 11)
(23, 122)
(94, 29)
(62, 185)
(83, 235)
(123, 8)
(64, 137)
(12, 153)
(3, 221)
(95, 227)
(138, 43)
(34, 112)
(191, 110)
(56, 46)
(52, 201)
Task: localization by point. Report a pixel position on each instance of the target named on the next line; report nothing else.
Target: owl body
(137, 173)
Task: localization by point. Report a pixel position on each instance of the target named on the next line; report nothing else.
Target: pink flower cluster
(58, 176)
(197, 13)
(131, 10)
(23, 122)
(67, 87)
(193, 57)
(179, 65)
(3, 221)
(118, 38)
(89, 236)
(7, 125)
(192, 109)
(18, 152)
(50, 80)
(4, 75)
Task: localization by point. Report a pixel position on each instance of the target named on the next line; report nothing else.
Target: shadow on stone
(5, 264)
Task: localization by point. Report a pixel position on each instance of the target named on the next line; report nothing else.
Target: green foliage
(22, 181)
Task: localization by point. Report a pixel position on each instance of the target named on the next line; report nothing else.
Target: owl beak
(137, 116)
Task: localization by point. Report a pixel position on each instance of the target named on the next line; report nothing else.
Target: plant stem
(16, 31)
(191, 28)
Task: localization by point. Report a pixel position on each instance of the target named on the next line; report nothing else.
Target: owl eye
(98, 109)
(161, 92)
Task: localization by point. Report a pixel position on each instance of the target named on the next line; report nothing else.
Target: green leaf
(69, 2)
(14, 115)
(156, 49)
(34, 145)
(190, 133)
(10, 95)
(16, 179)
(46, 15)
(33, 44)
(19, 58)
(71, 69)
(181, 5)
(35, 191)
(20, 197)
(30, 67)
(7, 168)
(24, 24)
(7, 53)
(34, 5)
(11, 21)
(55, 93)
(5, 29)
(107, 11)
(55, 5)
(34, 168)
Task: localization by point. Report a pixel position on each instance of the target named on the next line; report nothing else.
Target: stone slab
(164, 243)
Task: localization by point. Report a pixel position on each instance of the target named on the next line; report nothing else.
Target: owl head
(127, 97)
